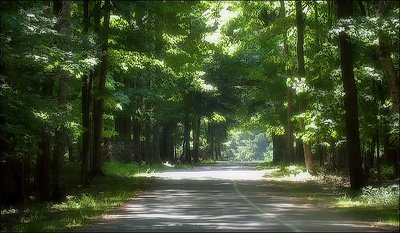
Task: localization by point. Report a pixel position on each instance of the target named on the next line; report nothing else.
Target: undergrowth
(82, 204)
(377, 202)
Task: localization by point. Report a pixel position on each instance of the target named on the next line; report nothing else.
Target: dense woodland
(157, 81)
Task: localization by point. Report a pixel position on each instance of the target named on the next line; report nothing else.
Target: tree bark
(61, 133)
(186, 142)
(393, 81)
(210, 133)
(43, 160)
(148, 146)
(156, 143)
(344, 10)
(86, 102)
(308, 156)
(136, 141)
(278, 148)
(289, 95)
(196, 138)
(99, 104)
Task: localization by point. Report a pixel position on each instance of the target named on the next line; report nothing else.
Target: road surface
(223, 197)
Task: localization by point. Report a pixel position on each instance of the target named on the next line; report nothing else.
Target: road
(224, 197)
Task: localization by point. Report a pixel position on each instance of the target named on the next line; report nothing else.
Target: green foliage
(380, 196)
(247, 146)
(286, 171)
(117, 168)
(83, 204)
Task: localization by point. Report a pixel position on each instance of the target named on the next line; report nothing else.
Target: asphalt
(224, 197)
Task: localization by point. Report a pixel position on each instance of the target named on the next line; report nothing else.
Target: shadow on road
(223, 197)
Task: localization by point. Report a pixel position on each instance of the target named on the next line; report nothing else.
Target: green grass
(83, 204)
(281, 170)
(378, 204)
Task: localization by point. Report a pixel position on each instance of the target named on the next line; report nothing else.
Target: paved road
(223, 197)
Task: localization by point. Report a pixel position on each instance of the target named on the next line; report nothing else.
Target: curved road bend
(223, 197)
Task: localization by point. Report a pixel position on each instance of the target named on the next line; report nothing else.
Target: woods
(150, 82)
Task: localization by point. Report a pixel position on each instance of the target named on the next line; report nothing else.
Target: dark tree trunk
(196, 138)
(210, 134)
(71, 156)
(167, 143)
(299, 151)
(61, 133)
(43, 160)
(156, 143)
(148, 147)
(136, 141)
(278, 152)
(378, 158)
(186, 142)
(357, 180)
(99, 104)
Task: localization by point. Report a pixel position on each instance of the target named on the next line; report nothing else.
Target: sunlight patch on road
(290, 226)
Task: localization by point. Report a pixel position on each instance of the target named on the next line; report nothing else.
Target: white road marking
(290, 226)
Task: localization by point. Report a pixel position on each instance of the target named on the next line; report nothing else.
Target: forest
(91, 84)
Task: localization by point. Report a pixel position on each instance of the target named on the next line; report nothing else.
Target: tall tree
(86, 107)
(394, 87)
(98, 109)
(43, 159)
(196, 137)
(308, 156)
(289, 92)
(345, 11)
(63, 90)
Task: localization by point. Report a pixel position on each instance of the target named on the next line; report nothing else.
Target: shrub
(380, 196)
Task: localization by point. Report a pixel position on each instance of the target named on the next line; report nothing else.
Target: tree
(63, 92)
(289, 91)
(98, 109)
(345, 11)
(87, 81)
(308, 156)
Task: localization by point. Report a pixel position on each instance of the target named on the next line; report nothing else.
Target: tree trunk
(308, 156)
(299, 152)
(393, 81)
(196, 138)
(136, 141)
(350, 100)
(43, 160)
(156, 143)
(278, 148)
(167, 140)
(148, 146)
(289, 95)
(390, 73)
(99, 104)
(86, 102)
(211, 137)
(186, 142)
(61, 134)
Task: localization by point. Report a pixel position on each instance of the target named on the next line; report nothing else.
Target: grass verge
(375, 203)
(83, 204)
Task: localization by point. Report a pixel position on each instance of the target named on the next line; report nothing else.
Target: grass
(375, 203)
(83, 204)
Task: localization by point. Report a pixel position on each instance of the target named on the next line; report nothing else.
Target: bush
(380, 196)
